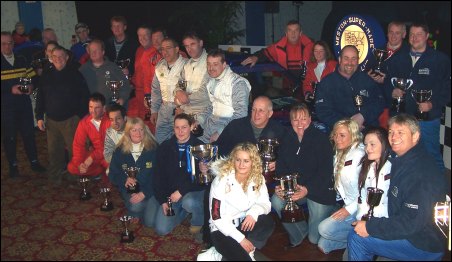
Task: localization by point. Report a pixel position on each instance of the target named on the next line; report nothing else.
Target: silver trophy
(107, 205)
(373, 199)
(268, 148)
(84, 195)
(24, 84)
(123, 64)
(132, 172)
(114, 86)
(404, 85)
(442, 212)
(421, 96)
(204, 153)
(358, 99)
(148, 100)
(291, 212)
(380, 56)
(170, 211)
(126, 235)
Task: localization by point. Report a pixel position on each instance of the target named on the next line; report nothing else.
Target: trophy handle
(430, 96)
(121, 83)
(395, 79)
(410, 83)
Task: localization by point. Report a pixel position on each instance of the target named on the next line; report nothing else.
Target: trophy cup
(358, 99)
(107, 205)
(127, 235)
(148, 100)
(402, 84)
(291, 212)
(373, 199)
(114, 88)
(132, 172)
(204, 153)
(267, 150)
(182, 85)
(442, 213)
(85, 195)
(421, 96)
(24, 84)
(170, 211)
(123, 64)
(380, 56)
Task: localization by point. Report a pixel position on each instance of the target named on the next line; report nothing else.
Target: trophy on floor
(114, 86)
(291, 212)
(126, 235)
(442, 212)
(170, 211)
(404, 85)
(132, 172)
(373, 199)
(123, 64)
(107, 205)
(148, 100)
(380, 55)
(421, 96)
(85, 195)
(204, 153)
(358, 99)
(24, 84)
(268, 148)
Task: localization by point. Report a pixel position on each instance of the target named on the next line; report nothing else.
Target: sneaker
(35, 166)
(195, 229)
(210, 254)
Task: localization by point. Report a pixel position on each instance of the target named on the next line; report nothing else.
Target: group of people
(89, 134)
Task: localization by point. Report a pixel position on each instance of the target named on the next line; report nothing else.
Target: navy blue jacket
(127, 51)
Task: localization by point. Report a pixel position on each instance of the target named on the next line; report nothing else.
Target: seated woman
(334, 230)
(239, 204)
(137, 148)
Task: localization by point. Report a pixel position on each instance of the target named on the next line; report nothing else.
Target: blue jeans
(430, 140)
(298, 231)
(191, 202)
(333, 233)
(145, 210)
(364, 248)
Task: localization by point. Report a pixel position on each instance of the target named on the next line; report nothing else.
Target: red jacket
(310, 75)
(290, 56)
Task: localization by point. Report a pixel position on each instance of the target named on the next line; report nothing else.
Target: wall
(10, 15)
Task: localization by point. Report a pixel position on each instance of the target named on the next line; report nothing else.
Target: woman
(137, 148)
(239, 204)
(322, 64)
(349, 152)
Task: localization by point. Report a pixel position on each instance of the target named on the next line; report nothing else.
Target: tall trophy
(170, 211)
(123, 64)
(114, 86)
(404, 85)
(148, 100)
(373, 199)
(380, 56)
(107, 205)
(442, 214)
(132, 172)
(24, 84)
(204, 153)
(358, 99)
(268, 148)
(85, 195)
(421, 96)
(291, 213)
(127, 235)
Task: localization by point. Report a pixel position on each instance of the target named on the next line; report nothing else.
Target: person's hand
(247, 245)
(88, 161)
(181, 98)
(300, 193)
(279, 192)
(359, 118)
(248, 223)
(308, 97)
(397, 92)
(360, 228)
(203, 167)
(425, 107)
(214, 137)
(41, 125)
(175, 196)
(15, 90)
(136, 197)
(120, 101)
(272, 166)
(341, 214)
(377, 77)
(130, 182)
(251, 60)
(165, 208)
(153, 118)
(82, 168)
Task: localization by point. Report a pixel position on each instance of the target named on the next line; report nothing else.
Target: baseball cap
(81, 25)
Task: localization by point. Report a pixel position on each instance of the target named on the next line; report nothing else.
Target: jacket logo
(124, 167)
(216, 204)
(148, 164)
(395, 191)
(348, 163)
(412, 206)
(364, 93)
(424, 71)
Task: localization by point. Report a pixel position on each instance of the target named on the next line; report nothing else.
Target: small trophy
(267, 150)
(204, 153)
(132, 172)
(380, 56)
(85, 195)
(148, 100)
(304, 69)
(358, 99)
(421, 96)
(373, 199)
(24, 84)
(291, 212)
(114, 88)
(127, 235)
(107, 205)
(123, 64)
(402, 84)
(170, 211)
(182, 85)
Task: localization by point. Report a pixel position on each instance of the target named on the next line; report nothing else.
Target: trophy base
(132, 190)
(85, 196)
(292, 216)
(398, 107)
(107, 207)
(170, 213)
(127, 238)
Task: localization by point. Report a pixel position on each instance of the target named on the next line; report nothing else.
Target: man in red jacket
(88, 160)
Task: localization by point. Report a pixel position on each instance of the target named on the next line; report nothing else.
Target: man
(409, 232)
(79, 48)
(16, 112)
(117, 115)
(294, 48)
(430, 70)
(336, 94)
(228, 94)
(98, 70)
(88, 158)
(120, 46)
(48, 35)
(167, 74)
(62, 97)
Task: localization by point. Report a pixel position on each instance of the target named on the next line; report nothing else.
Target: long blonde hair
(125, 143)
(255, 175)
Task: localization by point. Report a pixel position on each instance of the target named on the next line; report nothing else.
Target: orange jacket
(290, 56)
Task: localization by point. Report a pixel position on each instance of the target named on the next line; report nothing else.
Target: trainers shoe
(35, 166)
(195, 229)
(210, 254)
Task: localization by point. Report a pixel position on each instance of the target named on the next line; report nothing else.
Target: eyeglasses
(81, 31)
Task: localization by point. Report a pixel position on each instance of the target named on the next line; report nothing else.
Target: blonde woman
(349, 151)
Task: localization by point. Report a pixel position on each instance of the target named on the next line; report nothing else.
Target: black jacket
(128, 50)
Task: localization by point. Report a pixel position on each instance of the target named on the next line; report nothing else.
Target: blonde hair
(125, 143)
(255, 175)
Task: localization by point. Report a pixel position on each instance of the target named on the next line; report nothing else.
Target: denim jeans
(430, 140)
(364, 248)
(298, 231)
(334, 233)
(191, 202)
(145, 210)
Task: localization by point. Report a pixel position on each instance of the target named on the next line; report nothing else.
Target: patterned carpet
(42, 222)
